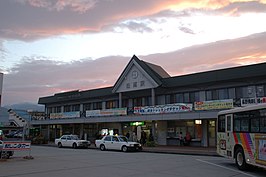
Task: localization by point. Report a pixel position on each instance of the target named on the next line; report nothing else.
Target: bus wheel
(240, 159)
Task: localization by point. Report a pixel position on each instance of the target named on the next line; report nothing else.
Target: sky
(52, 46)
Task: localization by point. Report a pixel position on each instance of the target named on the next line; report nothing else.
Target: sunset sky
(50, 46)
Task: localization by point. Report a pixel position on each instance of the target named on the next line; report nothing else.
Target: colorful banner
(65, 115)
(107, 112)
(251, 101)
(163, 109)
(215, 104)
(11, 146)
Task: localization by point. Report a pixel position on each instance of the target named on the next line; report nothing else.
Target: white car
(71, 141)
(113, 142)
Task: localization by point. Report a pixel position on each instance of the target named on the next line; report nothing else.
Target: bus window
(221, 123)
(236, 125)
(244, 125)
(255, 125)
(263, 124)
(229, 123)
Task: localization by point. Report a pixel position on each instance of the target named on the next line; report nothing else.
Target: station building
(145, 98)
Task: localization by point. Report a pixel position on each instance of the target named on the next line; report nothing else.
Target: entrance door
(212, 133)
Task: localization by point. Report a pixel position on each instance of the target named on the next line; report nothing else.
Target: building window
(67, 108)
(97, 105)
(75, 107)
(223, 94)
(135, 84)
(179, 98)
(111, 104)
(128, 85)
(231, 93)
(87, 106)
(57, 109)
(260, 90)
(186, 97)
(194, 96)
(212, 95)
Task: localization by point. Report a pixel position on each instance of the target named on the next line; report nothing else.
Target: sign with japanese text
(107, 112)
(163, 109)
(12, 146)
(251, 101)
(214, 104)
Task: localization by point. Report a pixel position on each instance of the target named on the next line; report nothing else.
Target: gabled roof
(157, 73)
(240, 72)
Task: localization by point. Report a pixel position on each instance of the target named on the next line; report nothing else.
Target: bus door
(229, 134)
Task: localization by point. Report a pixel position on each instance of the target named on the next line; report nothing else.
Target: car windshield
(123, 139)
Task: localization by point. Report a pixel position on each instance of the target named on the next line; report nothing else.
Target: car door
(63, 140)
(68, 141)
(115, 143)
(108, 142)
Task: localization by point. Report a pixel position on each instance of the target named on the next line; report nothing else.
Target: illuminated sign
(137, 123)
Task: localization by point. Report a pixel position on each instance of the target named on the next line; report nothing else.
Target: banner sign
(65, 115)
(250, 101)
(215, 104)
(163, 109)
(9, 145)
(107, 112)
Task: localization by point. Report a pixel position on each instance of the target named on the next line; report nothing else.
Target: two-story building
(147, 100)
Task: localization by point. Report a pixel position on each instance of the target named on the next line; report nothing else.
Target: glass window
(67, 108)
(179, 98)
(111, 104)
(255, 125)
(107, 138)
(231, 93)
(75, 107)
(115, 138)
(167, 99)
(239, 92)
(237, 125)
(215, 95)
(208, 95)
(229, 122)
(223, 94)
(186, 97)
(244, 125)
(87, 106)
(260, 90)
(263, 124)
(97, 105)
(221, 123)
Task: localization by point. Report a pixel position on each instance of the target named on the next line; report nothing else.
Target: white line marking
(238, 171)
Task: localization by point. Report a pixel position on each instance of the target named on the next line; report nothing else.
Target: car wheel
(59, 145)
(102, 147)
(74, 146)
(124, 149)
(240, 159)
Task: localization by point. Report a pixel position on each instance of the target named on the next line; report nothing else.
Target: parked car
(71, 141)
(113, 142)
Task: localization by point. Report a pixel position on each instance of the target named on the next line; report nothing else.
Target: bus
(241, 135)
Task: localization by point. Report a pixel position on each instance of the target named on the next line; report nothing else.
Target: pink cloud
(38, 77)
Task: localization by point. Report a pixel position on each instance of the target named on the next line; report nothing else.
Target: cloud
(38, 76)
(216, 55)
(80, 6)
(35, 19)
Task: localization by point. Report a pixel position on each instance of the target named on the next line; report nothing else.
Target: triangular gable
(137, 76)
